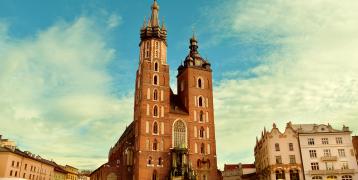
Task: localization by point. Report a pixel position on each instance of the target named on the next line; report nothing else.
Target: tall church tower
(152, 96)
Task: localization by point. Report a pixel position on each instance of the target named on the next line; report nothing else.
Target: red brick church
(172, 136)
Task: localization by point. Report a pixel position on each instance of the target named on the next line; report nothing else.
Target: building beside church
(327, 153)
(277, 155)
(306, 151)
(172, 136)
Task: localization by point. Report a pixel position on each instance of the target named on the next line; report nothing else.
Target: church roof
(175, 104)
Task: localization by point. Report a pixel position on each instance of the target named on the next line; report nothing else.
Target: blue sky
(67, 69)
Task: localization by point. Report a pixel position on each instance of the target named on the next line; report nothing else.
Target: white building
(326, 153)
(277, 155)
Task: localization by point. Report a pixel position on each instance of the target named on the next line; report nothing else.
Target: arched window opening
(198, 163)
(156, 66)
(155, 128)
(202, 148)
(160, 161)
(149, 160)
(155, 80)
(208, 163)
(331, 177)
(179, 134)
(201, 117)
(200, 83)
(155, 94)
(201, 132)
(155, 111)
(155, 145)
(200, 101)
(155, 175)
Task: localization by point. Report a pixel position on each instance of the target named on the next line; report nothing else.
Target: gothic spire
(154, 22)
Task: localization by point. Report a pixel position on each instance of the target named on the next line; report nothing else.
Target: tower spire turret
(154, 22)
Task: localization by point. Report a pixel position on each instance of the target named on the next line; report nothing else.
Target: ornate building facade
(172, 136)
(277, 155)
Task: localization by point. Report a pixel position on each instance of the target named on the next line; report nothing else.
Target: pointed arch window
(277, 147)
(149, 160)
(155, 111)
(155, 128)
(155, 175)
(155, 94)
(201, 132)
(200, 101)
(155, 145)
(201, 116)
(160, 161)
(202, 148)
(155, 80)
(156, 66)
(200, 83)
(179, 134)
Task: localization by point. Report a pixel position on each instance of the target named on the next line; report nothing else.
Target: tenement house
(327, 153)
(277, 155)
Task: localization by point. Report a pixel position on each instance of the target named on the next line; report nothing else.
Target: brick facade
(172, 136)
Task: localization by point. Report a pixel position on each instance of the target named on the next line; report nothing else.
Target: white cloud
(113, 21)
(311, 77)
(56, 93)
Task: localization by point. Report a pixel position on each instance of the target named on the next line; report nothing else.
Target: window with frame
(155, 111)
(277, 147)
(201, 116)
(324, 140)
(155, 80)
(326, 152)
(341, 153)
(155, 95)
(313, 153)
(149, 160)
(292, 159)
(179, 137)
(329, 166)
(201, 132)
(314, 166)
(200, 101)
(347, 177)
(345, 165)
(317, 177)
(156, 66)
(310, 141)
(202, 148)
(278, 160)
(160, 161)
(155, 128)
(290, 146)
(200, 83)
(339, 140)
